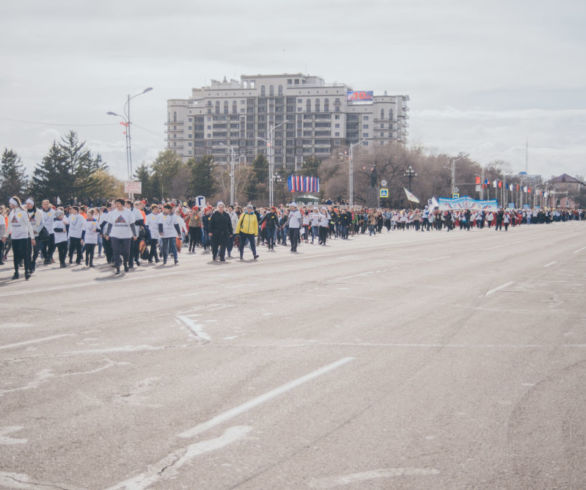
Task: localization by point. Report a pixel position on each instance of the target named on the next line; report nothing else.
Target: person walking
(247, 229)
(89, 237)
(220, 231)
(294, 222)
(169, 230)
(120, 230)
(22, 237)
(76, 222)
(60, 223)
(152, 229)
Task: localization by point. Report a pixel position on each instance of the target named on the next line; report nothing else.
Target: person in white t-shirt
(120, 230)
(60, 223)
(22, 237)
(152, 225)
(169, 231)
(89, 237)
(76, 222)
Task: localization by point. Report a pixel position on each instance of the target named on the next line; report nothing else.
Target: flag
(58, 201)
(296, 183)
(511, 187)
(477, 180)
(410, 197)
(500, 184)
(494, 182)
(525, 189)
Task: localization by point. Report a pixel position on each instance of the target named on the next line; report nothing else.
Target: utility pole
(482, 183)
(351, 176)
(232, 166)
(453, 176)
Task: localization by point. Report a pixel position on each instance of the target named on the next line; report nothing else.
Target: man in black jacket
(220, 231)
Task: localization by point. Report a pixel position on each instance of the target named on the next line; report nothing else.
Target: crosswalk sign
(384, 193)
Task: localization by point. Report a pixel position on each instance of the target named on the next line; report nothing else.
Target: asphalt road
(406, 360)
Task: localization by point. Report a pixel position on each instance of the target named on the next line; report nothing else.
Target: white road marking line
(35, 341)
(259, 400)
(195, 328)
(124, 348)
(338, 481)
(168, 466)
(550, 263)
(579, 250)
(498, 288)
(5, 439)
(408, 346)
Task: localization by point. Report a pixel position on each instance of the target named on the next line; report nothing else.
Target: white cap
(30, 201)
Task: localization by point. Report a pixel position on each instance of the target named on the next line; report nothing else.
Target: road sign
(384, 193)
(133, 187)
(455, 195)
(200, 202)
(383, 183)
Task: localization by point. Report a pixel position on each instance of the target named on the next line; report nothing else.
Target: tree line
(70, 172)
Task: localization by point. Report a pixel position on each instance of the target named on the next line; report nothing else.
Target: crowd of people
(129, 233)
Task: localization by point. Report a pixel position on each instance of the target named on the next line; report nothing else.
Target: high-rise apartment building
(308, 118)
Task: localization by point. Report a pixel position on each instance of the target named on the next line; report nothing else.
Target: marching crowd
(128, 233)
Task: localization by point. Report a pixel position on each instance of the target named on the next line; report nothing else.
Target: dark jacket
(220, 225)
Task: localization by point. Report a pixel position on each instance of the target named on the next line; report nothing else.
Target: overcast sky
(483, 76)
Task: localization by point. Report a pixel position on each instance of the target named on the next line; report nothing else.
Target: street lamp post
(351, 172)
(232, 172)
(271, 154)
(410, 173)
(125, 116)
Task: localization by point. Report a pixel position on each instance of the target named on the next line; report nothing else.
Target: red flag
(477, 180)
(500, 183)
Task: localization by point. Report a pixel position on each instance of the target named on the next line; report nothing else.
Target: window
(234, 107)
(190, 119)
(272, 91)
(190, 143)
(189, 127)
(280, 92)
(297, 81)
(225, 107)
(262, 91)
(365, 135)
(308, 106)
(337, 134)
(366, 118)
(217, 106)
(382, 113)
(289, 81)
(174, 117)
(337, 117)
(327, 105)
(189, 135)
(365, 126)
(337, 125)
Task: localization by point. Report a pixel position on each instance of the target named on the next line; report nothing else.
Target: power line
(47, 123)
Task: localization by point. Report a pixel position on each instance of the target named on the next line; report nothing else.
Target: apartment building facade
(304, 115)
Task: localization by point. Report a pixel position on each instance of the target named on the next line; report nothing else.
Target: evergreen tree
(165, 168)
(66, 171)
(54, 177)
(13, 180)
(143, 175)
(257, 188)
(203, 181)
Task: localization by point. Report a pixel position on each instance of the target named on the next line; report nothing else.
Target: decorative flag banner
(500, 184)
(466, 202)
(511, 187)
(410, 196)
(477, 180)
(297, 183)
(494, 182)
(125, 124)
(525, 189)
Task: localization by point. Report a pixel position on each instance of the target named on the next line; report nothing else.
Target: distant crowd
(129, 234)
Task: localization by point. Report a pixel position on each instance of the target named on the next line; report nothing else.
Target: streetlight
(351, 172)
(271, 151)
(410, 173)
(232, 170)
(125, 116)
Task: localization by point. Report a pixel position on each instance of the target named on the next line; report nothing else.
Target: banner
(360, 96)
(296, 183)
(410, 196)
(466, 202)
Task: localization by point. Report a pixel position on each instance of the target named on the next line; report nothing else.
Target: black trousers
(75, 246)
(194, 238)
(48, 248)
(89, 253)
(120, 247)
(62, 249)
(21, 251)
(245, 237)
(219, 244)
(153, 251)
(108, 250)
(294, 238)
(323, 235)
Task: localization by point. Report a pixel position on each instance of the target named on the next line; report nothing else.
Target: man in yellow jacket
(247, 228)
